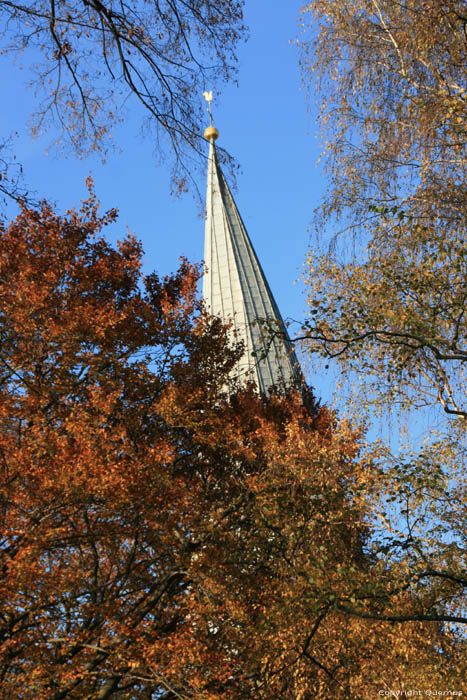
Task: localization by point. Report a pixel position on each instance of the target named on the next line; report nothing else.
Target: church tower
(235, 288)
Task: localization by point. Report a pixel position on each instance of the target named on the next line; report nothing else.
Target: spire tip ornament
(211, 133)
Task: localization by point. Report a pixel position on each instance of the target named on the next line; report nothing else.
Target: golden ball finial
(211, 133)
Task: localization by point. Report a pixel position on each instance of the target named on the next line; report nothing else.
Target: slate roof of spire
(235, 288)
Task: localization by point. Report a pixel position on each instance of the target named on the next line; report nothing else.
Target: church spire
(235, 288)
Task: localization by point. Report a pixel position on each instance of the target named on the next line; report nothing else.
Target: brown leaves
(93, 55)
(157, 535)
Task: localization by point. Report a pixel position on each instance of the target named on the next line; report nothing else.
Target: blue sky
(264, 123)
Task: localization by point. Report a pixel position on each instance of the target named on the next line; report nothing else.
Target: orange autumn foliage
(159, 538)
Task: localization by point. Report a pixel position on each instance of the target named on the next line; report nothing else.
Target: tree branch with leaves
(95, 56)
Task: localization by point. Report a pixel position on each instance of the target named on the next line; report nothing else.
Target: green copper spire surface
(235, 288)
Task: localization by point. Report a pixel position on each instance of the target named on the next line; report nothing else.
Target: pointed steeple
(235, 288)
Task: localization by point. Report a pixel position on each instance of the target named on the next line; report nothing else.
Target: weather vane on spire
(208, 97)
(211, 133)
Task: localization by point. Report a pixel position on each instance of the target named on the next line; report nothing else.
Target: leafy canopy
(160, 537)
(387, 298)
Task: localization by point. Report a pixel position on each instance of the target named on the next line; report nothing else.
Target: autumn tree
(392, 78)
(387, 298)
(90, 57)
(162, 535)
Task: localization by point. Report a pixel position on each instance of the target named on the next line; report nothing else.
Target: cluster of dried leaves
(387, 302)
(160, 538)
